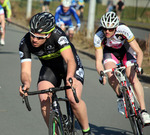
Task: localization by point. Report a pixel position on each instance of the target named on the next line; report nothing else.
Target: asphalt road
(16, 120)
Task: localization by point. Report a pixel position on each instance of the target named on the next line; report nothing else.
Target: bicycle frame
(131, 105)
(55, 113)
(119, 73)
(56, 119)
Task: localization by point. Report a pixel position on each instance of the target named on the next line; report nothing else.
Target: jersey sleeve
(98, 40)
(24, 52)
(123, 29)
(75, 15)
(63, 43)
(7, 5)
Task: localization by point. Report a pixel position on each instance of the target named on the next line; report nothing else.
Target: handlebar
(119, 67)
(75, 27)
(51, 90)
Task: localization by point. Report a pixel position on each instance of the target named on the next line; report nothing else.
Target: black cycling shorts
(55, 76)
(124, 54)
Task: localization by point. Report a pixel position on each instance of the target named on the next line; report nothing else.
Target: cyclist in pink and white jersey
(113, 42)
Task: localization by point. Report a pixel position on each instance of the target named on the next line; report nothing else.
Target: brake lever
(101, 77)
(73, 90)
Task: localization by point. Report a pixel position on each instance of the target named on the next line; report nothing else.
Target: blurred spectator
(110, 6)
(119, 7)
(7, 9)
(2, 26)
(74, 3)
(80, 8)
(45, 5)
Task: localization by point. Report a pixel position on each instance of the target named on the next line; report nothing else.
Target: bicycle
(131, 104)
(62, 124)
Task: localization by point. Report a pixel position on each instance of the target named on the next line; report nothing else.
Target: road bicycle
(131, 104)
(62, 124)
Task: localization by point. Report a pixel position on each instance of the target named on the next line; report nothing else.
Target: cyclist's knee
(63, 27)
(71, 36)
(44, 105)
(111, 78)
(133, 80)
(73, 102)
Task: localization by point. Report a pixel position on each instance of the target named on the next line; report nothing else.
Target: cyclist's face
(65, 9)
(109, 32)
(38, 39)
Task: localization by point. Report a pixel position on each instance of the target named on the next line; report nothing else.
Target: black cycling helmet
(43, 23)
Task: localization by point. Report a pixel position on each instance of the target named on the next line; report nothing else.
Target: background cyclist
(7, 9)
(63, 15)
(59, 62)
(114, 42)
(2, 26)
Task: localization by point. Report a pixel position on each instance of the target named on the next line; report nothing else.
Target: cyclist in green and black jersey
(59, 62)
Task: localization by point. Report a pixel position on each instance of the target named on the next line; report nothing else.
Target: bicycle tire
(74, 124)
(139, 123)
(135, 123)
(138, 116)
(71, 119)
(55, 125)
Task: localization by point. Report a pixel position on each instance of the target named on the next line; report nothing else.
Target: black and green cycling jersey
(50, 55)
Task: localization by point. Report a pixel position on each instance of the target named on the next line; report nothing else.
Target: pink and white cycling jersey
(122, 34)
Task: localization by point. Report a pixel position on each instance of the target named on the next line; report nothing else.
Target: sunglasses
(38, 37)
(110, 30)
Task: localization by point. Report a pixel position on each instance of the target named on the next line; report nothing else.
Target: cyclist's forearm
(26, 79)
(99, 58)
(140, 59)
(9, 13)
(139, 54)
(99, 66)
(8, 8)
(71, 68)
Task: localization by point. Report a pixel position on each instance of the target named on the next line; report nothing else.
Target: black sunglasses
(110, 30)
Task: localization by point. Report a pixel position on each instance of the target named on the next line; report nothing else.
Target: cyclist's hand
(78, 27)
(73, 80)
(9, 20)
(22, 89)
(138, 69)
(102, 78)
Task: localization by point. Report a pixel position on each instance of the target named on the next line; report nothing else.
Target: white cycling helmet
(109, 20)
(66, 3)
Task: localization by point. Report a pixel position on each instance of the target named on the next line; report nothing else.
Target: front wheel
(74, 126)
(133, 118)
(55, 126)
